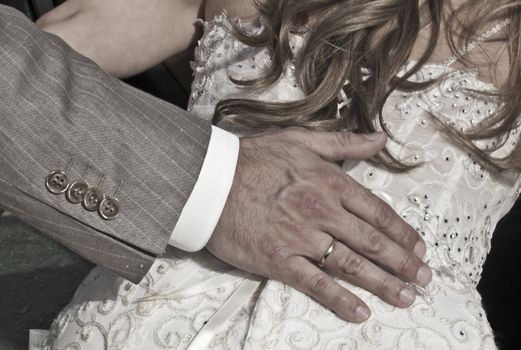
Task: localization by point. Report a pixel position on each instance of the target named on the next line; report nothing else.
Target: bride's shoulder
(244, 9)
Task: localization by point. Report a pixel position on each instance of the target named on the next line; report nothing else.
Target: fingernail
(374, 136)
(424, 275)
(420, 249)
(407, 296)
(362, 313)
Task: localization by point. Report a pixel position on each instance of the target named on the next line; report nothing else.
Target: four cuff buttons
(92, 198)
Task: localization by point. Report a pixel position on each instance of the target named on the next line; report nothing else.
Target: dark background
(38, 277)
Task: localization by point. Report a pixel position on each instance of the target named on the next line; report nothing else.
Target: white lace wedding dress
(194, 301)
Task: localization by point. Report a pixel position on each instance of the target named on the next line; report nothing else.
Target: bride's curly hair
(341, 46)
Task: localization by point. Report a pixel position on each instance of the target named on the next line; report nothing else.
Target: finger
(340, 145)
(352, 267)
(376, 246)
(361, 202)
(310, 280)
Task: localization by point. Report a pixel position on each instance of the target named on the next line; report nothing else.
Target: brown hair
(343, 43)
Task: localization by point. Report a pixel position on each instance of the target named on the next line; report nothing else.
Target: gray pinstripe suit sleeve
(58, 110)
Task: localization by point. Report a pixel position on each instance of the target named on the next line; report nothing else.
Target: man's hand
(287, 203)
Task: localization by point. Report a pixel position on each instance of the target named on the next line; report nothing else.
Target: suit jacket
(69, 131)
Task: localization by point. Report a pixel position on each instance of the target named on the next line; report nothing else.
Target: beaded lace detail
(345, 101)
(450, 199)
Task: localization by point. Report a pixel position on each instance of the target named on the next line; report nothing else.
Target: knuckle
(277, 250)
(335, 179)
(343, 138)
(293, 226)
(408, 266)
(376, 243)
(329, 172)
(350, 263)
(357, 227)
(309, 203)
(410, 238)
(355, 265)
(297, 276)
(350, 188)
(293, 275)
(319, 283)
(384, 216)
(386, 287)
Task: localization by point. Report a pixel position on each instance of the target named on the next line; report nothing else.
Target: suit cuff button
(57, 182)
(76, 192)
(109, 208)
(92, 199)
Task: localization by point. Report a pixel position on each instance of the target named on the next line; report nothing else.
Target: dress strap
(220, 319)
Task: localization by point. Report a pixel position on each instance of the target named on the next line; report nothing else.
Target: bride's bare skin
(237, 8)
(166, 31)
(173, 41)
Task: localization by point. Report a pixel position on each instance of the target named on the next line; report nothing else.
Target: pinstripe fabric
(56, 105)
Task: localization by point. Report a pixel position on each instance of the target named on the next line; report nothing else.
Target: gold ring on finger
(327, 253)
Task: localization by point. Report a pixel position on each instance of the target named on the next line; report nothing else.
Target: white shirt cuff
(204, 207)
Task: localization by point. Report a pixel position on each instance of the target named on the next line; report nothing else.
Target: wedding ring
(328, 252)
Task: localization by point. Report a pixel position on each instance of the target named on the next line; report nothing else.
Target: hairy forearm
(125, 37)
